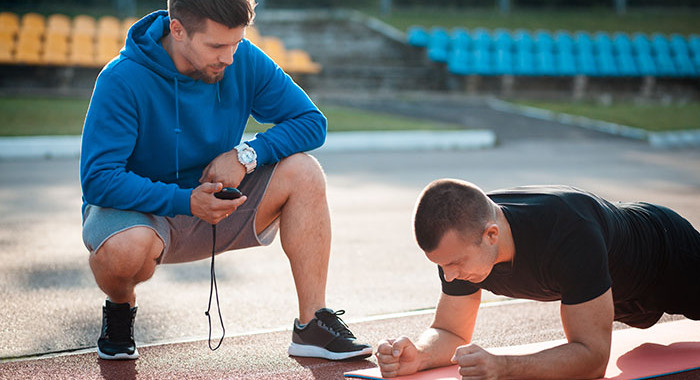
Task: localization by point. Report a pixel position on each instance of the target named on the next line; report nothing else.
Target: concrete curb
(69, 146)
(39, 147)
(688, 138)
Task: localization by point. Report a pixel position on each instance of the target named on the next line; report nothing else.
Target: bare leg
(297, 195)
(125, 260)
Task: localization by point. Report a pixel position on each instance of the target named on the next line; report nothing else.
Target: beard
(207, 76)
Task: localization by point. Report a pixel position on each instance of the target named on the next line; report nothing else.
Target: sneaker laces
(332, 320)
(118, 326)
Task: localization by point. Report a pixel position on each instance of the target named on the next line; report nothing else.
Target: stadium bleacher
(83, 41)
(560, 53)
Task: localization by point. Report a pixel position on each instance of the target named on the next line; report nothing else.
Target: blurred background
(631, 62)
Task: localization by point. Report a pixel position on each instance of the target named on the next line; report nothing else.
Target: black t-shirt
(573, 246)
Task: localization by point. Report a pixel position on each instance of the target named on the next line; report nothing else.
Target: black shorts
(677, 289)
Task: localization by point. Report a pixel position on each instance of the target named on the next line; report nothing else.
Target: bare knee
(303, 171)
(125, 254)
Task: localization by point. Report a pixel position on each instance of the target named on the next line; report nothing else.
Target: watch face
(247, 156)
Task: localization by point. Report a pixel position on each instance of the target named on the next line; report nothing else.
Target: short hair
(193, 13)
(448, 204)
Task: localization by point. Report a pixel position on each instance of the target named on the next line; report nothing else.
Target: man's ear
(177, 30)
(491, 233)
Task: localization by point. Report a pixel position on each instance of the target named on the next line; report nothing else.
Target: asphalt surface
(50, 303)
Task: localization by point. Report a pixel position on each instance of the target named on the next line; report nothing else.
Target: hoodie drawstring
(218, 92)
(177, 131)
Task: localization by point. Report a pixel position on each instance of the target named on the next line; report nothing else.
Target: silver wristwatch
(247, 157)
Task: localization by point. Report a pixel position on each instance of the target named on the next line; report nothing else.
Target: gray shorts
(188, 238)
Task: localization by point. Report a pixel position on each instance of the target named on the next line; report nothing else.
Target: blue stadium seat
(626, 65)
(684, 65)
(563, 42)
(645, 64)
(524, 63)
(607, 66)
(502, 62)
(565, 63)
(502, 40)
(622, 44)
(438, 54)
(665, 65)
(583, 43)
(481, 38)
(585, 63)
(439, 45)
(523, 41)
(439, 38)
(417, 36)
(481, 59)
(544, 42)
(694, 47)
(460, 39)
(641, 44)
(679, 45)
(458, 62)
(544, 63)
(660, 44)
(603, 43)
(694, 44)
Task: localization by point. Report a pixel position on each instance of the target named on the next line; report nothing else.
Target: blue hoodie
(150, 131)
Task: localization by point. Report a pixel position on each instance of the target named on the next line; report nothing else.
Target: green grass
(662, 20)
(350, 119)
(651, 117)
(24, 116)
(41, 116)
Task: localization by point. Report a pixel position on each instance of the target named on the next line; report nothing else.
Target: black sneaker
(117, 338)
(328, 337)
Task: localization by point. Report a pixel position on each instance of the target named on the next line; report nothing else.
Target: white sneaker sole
(133, 356)
(309, 351)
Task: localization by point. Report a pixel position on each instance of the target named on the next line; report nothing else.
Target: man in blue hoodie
(163, 134)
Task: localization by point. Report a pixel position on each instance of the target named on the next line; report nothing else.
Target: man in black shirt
(629, 262)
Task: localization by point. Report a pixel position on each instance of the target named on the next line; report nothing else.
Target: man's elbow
(321, 124)
(598, 366)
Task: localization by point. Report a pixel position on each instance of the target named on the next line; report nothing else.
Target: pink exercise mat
(663, 349)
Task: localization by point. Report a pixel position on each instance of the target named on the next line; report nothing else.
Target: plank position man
(163, 134)
(629, 262)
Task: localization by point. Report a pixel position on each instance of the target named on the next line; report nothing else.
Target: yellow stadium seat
(299, 61)
(54, 58)
(84, 24)
(126, 24)
(252, 35)
(9, 18)
(109, 26)
(58, 24)
(55, 49)
(7, 48)
(6, 56)
(6, 37)
(32, 23)
(56, 42)
(82, 40)
(27, 55)
(107, 48)
(81, 51)
(274, 48)
(9, 23)
(27, 41)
